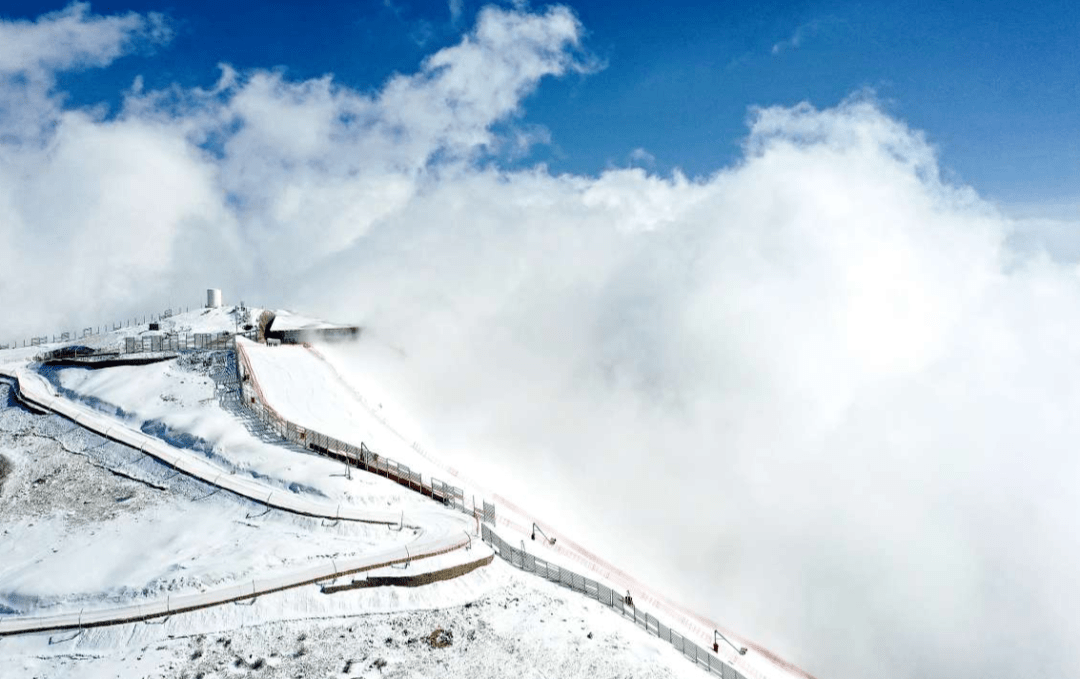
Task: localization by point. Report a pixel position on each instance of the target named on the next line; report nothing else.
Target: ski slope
(303, 386)
(305, 389)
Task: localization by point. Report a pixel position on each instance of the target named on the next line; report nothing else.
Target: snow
(109, 526)
(185, 402)
(289, 320)
(220, 319)
(315, 388)
(63, 558)
(193, 461)
(503, 624)
(438, 531)
(199, 321)
(322, 388)
(305, 389)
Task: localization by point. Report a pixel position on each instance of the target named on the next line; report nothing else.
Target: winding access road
(441, 531)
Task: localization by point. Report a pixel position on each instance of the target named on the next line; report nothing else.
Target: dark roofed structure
(290, 328)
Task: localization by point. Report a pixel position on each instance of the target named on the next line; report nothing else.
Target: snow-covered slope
(100, 525)
(315, 388)
(90, 524)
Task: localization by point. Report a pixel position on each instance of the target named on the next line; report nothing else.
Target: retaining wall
(418, 580)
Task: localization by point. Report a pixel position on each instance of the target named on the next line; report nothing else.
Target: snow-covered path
(35, 389)
(440, 531)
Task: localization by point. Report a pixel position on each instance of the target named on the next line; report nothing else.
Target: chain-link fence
(361, 457)
(125, 459)
(364, 458)
(141, 349)
(178, 342)
(91, 331)
(623, 605)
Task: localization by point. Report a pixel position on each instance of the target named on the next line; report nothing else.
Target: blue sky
(994, 85)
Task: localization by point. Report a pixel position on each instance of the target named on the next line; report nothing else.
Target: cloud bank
(820, 389)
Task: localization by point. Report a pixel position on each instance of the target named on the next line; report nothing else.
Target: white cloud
(73, 38)
(807, 380)
(338, 160)
(1050, 228)
(818, 395)
(642, 157)
(31, 52)
(802, 33)
(456, 9)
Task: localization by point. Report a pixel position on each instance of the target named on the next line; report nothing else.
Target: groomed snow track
(443, 532)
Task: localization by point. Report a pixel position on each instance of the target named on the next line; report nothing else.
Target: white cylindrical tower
(213, 298)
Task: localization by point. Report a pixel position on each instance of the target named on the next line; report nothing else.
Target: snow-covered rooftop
(285, 321)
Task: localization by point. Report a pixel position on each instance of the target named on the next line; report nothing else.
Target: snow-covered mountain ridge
(176, 533)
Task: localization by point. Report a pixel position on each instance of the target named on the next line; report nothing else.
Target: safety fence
(623, 605)
(360, 456)
(139, 350)
(178, 342)
(368, 460)
(243, 320)
(35, 389)
(71, 427)
(246, 592)
(91, 331)
(336, 568)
